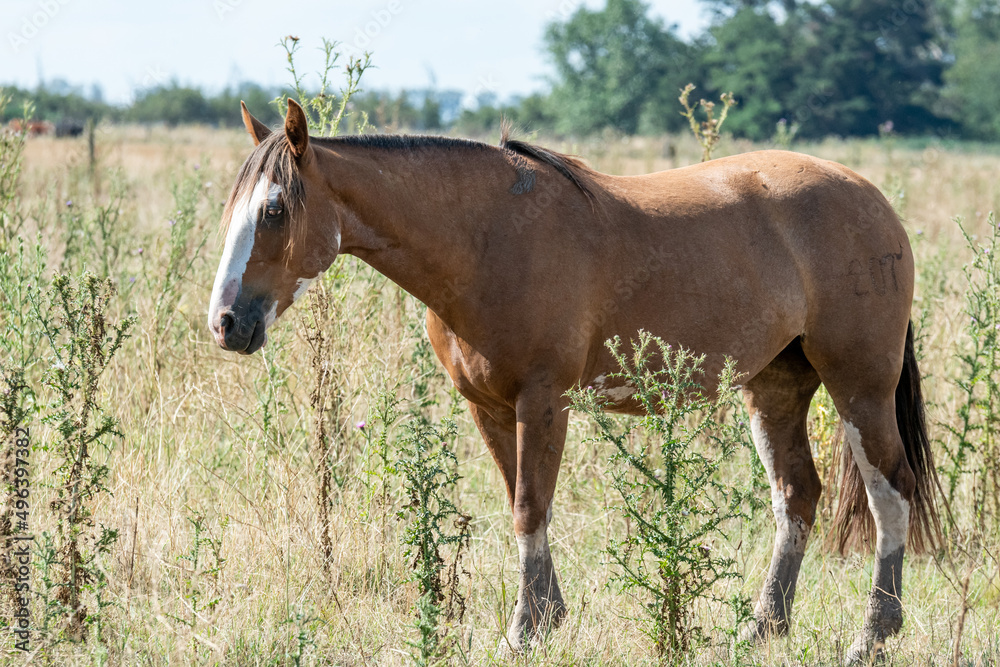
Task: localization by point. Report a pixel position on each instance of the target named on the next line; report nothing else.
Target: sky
(127, 47)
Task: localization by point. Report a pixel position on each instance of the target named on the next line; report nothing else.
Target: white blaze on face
(239, 246)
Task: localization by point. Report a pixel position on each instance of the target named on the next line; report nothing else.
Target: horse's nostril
(226, 322)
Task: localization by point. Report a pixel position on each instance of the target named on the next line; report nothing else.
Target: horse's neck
(417, 218)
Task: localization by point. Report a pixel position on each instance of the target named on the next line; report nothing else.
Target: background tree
(972, 96)
(831, 67)
(616, 67)
(861, 63)
(55, 105)
(224, 108)
(171, 104)
(748, 52)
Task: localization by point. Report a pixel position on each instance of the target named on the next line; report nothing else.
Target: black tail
(854, 524)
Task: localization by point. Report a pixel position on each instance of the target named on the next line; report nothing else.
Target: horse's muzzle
(244, 334)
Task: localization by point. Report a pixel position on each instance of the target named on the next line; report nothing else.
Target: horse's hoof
(754, 633)
(865, 651)
(518, 642)
(508, 649)
(763, 629)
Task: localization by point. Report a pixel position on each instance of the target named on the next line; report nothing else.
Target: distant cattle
(34, 128)
(69, 128)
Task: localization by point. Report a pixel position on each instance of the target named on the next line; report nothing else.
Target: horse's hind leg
(862, 386)
(878, 452)
(778, 401)
(873, 436)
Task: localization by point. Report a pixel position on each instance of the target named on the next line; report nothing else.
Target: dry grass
(197, 443)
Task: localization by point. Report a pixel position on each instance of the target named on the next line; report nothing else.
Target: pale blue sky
(128, 46)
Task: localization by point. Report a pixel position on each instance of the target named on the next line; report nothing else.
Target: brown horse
(528, 261)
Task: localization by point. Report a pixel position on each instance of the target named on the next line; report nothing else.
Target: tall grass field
(189, 506)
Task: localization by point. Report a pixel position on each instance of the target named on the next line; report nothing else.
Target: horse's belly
(747, 318)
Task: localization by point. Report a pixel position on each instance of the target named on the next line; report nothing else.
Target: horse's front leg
(541, 434)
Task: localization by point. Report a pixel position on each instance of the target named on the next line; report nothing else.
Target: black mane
(273, 158)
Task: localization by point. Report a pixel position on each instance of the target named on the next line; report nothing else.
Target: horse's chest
(473, 375)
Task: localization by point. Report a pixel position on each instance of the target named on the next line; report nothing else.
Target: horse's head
(281, 234)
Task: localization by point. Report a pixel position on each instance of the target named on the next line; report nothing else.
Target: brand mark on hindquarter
(880, 273)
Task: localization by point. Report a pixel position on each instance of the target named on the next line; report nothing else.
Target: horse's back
(800, 194)
(741, 255)
(777, 213)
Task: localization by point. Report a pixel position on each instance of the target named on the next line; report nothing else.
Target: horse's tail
(854, 524)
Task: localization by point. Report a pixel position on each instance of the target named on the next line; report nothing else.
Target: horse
(528, 261)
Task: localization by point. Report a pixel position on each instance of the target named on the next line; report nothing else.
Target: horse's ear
(256, 129)
(296, 128)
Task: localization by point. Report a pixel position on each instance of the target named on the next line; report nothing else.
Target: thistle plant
(379, 443)
(20, 274)
(978, 428)
(707, 132)
(428, 468)
(84, 338)
(22, 264)
(325, 110)
(11, 152)
(326, 401)
(20, 271)
(665, 468)
(202, 562)
(784, 133)
(185, 242)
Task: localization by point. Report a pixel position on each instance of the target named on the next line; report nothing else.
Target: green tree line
(831, 67)
(822, 67)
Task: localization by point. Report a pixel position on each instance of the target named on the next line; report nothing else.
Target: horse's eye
(272, 214)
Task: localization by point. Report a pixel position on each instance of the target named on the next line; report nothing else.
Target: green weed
(84, 339)
(707, 132)
(784, 134)
(428, 469)
(665, 469)
(978, 430)
(325, 111)
(202, 563)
